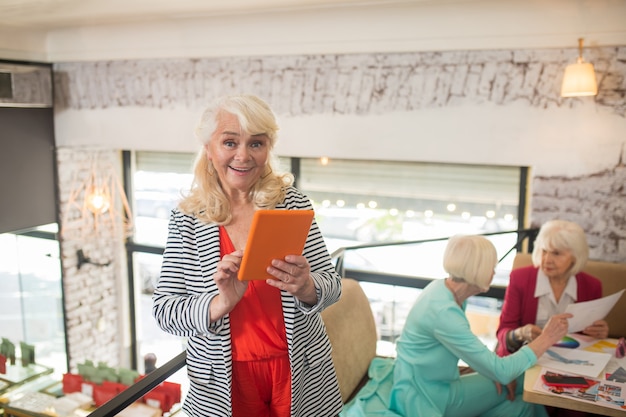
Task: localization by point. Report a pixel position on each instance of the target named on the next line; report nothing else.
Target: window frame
(295, 164)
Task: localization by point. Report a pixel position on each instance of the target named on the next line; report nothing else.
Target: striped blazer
(181, 307)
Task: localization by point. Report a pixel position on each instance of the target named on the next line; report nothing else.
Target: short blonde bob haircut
(206, 200)
(563, 236)
(470, 258)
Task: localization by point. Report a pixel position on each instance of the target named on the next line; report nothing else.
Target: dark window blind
(27, 168)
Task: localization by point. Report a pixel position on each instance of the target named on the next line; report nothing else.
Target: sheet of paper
(586, 312)
(575, 361)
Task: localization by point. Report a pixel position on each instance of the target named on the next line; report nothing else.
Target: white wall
(566, 142)
(476, 135)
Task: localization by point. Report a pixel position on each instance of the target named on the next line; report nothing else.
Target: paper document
(586, 312)
(575, 361)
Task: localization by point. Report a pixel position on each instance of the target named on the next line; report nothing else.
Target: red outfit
(261, 369)
(520, 304)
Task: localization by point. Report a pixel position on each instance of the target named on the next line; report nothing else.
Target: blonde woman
(426, 380)
(255, 348)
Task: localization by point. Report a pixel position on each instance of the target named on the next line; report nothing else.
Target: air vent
(25, 85)
(6, 85)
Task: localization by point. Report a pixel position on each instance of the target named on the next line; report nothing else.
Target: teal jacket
(435, 336)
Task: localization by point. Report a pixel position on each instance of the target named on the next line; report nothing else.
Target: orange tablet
(274, 234)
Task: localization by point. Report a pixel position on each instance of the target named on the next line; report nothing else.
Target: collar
(543, 286)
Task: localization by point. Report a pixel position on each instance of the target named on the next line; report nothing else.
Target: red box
(103, 393)
(158, 399)
(72, 383)
(173, 391)
(117, 386)
(164, 396)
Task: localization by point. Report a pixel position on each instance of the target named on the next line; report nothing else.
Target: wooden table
(530, 378)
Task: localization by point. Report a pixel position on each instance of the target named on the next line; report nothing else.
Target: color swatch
(568, 342)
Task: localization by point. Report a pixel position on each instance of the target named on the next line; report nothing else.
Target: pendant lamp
(580, 78)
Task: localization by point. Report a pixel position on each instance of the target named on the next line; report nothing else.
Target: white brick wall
(342, 84)
(92, 293)
(596, 202)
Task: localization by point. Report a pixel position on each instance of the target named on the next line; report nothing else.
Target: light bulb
(97, 201)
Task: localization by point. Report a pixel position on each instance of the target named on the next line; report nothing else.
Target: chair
(352, 332)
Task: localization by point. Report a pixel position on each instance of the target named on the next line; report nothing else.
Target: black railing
(159, 375)
(339, 255)
(140, 388)
(412, 281)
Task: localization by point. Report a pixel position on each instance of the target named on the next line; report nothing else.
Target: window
(31, 301)
(357, 203)
(158, 180)
(380, 201)
(377, 202)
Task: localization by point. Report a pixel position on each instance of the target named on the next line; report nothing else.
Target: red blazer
(520, 304)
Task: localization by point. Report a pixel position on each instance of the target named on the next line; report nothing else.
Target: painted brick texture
(91, 293)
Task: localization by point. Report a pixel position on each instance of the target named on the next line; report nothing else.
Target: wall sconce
(98, 199)
(101, 199)
(580, 78)
(82, 260)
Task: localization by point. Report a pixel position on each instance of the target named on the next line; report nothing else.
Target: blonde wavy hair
(206, 199)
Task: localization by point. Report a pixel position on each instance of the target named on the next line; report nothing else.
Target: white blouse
(547, 306)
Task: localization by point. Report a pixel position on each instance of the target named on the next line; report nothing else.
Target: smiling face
(239, 159)
(556, 263)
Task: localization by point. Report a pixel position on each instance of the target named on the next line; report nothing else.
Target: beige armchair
(352, 331)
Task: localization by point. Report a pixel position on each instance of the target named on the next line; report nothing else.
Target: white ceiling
(57, 14)
(69, 30)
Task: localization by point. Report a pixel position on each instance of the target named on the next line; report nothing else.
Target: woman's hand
(231, 290)
(552, 332)
(527, 333)
(556, 327)
(598, 329)
(510, 388)
(294, 276)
